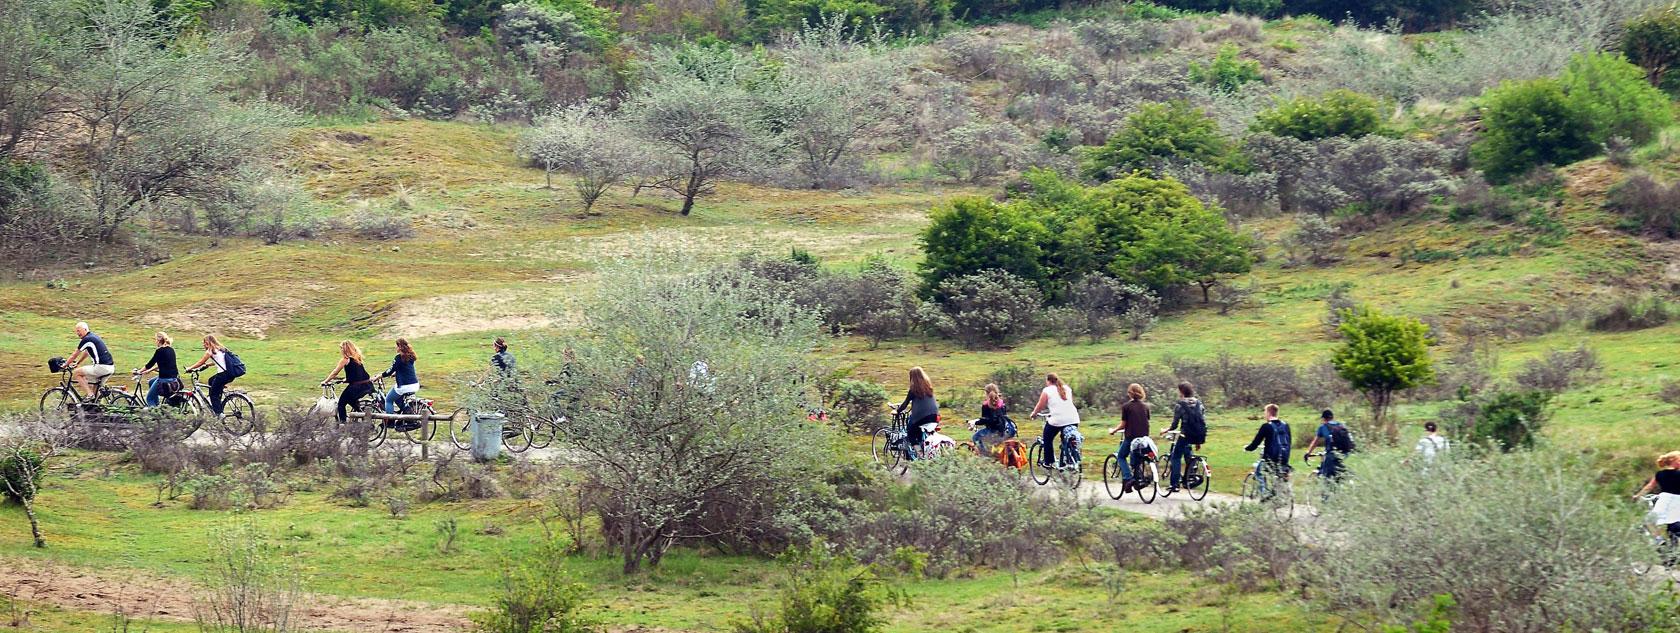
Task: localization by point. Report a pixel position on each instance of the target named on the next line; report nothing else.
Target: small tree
(1315, 237)
(1614, 98)
(1653, 41)
(833, 90)
(1099, 300)
(1509, 420)
(1140, 315)
(971, 234)
(1529, 123)
(694, 108)
(591, 144)
(1157, 133)
(861, 403)
(1382, 356)
(537, 595)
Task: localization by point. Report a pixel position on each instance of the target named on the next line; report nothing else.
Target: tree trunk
(688, 204)
(34, 524)
(1205, 286)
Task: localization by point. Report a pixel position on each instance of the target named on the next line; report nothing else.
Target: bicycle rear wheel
(460, 433)
(544, 433)
(517, 437)
(1148, 484)
(1040, 474)
(239, 415)
(427, 428)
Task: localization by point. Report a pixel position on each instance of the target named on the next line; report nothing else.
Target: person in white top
(1057, 399)
(1431, 444)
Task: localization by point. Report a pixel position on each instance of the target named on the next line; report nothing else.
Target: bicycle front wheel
(427, 428)
(1198, 465)
(1112, 483)
(517, 438)
(544, 433)
(57, 399)
(239, 415)
(1035, 463)
(1250, 487)
(460, 433)
(880, 448)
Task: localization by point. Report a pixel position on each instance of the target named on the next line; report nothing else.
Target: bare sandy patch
(170, 599)
(246, 319)
(501, 310)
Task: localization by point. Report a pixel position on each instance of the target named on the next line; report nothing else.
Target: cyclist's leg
(914, 438)
(152, 392)
(391, 398)
(980, 441)
(1047, 454)
(349, 397)
(219, 382)
(1260, 478)
(1125, 459)
(1176, 461)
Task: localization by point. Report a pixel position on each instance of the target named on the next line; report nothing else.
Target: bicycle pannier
(1014, 455)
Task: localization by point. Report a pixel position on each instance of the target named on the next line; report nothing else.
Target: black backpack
(1341, 440)
(1195, 420)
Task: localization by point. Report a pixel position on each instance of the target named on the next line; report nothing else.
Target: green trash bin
(487, 435)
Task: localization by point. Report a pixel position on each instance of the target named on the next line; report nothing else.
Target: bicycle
(1070, 472)
(239, 414)
(1197, 477)
(1656, 536)
(370, 430)
(519, 432)
(1146, 475)
(67, 396)
(1275, 478)
(993, 448)
(889, 445)
(1318, 486)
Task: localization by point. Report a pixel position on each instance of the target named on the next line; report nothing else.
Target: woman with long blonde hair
(168, 379)
(408, 380)
(357, 382)
(228, 367)
(1057, 399)
(1666, 483)
(924, 409)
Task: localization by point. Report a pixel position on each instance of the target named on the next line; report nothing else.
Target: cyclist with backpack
(994, 420)
(1189, 414)
(1274, 440)
(228, 368)
(1134, 420)
(924, 409)
(1337, 442)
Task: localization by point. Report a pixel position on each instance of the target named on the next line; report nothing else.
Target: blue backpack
(235, 367)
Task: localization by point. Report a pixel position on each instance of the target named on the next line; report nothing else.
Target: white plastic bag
(325, 407)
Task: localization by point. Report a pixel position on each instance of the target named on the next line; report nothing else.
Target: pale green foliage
(861, 404)
(824, 593)
(1613, 97)
(693, 108)
(1381, 356)
(832, 90)
(691, 384)
(591, 144)
(537, 595)
(1395, 536)
(989, 308)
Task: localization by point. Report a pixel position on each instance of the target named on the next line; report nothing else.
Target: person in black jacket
(168, 379)
(1275, 441)
(994, 420)
(1189, 414)
(924, 408)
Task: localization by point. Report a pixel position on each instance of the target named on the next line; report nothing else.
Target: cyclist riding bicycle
(408, 382)
(1134, 420)
(1666, 483)
(1189, 414)
(228, 368)
(168, 380)
(1337, 442)
(100, 364)
(924, 410)
(1275, 440)
(994, 420)
(1057, 399)
(357, 382)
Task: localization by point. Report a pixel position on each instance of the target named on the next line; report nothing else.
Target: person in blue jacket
(402, 368)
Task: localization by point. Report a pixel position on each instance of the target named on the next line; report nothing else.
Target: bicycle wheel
(376, 429)
(968, 448)
(517, 437)
(428, 426)
(192, 410)
(1250, 487)
(57, 399)
(239, 415)
(1040, 474)
(119, 399)
(1112, 483)
(460, 433)
(1148, 483)
(880, 448)
(1204, 483)
(544, 433)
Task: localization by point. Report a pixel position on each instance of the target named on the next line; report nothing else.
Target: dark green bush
(1157, 133)
(1226, 72)
(1614, 98)
(1630, 314)
(825, 594)
(1335, 113)
(1527, 124)
(1511, 420)
(972, 234)
(537, 595)
(1653, 42)
(20, 473)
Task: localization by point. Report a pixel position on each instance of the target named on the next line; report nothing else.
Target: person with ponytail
(228, 368)
(924, 409)
(357, 382)
(408, 380)
(1057, 399)
(994, 420)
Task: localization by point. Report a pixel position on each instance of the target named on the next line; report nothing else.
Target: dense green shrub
(20, 473)
(1383, 355)
(1614, 98)
(1155, 134)
(1529, 123)
(1226, 72)
(861, 404)
(1653, 42)
(1262, 8)
(824, 593)
(969, 235)
(1511, 420)
(1335, 113)
(537, 595)
(367, 12)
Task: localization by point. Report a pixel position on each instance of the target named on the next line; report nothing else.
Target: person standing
(1431, 445)
(168, 379)
(1190, 416)
(357, 382)
(228, 368)
(100, 363)
(1134, 420)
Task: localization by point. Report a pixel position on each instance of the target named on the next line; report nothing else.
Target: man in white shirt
(1431, 444)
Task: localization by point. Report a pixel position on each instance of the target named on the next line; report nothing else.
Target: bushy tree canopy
(1156, 133)
(969, 235)
(1381, 356)
(1529, 123)
(1335, 113)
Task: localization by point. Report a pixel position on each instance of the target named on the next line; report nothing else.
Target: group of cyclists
(1055, 405)
(92, 364)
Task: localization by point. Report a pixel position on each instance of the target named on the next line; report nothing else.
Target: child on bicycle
(1057, 399)
(994, 420)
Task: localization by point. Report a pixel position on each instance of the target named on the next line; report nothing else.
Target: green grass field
(497, 254)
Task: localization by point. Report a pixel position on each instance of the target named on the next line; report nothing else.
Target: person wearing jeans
(1274, 440)
(168, 378)
(408, 380)
(1190, 416)
(1057, 399)
(1134, 420)
(924, 409)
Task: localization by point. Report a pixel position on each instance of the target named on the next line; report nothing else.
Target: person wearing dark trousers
(357, 382)
(924, 408)
(168, 379)
(1190, 419)
(228, 368)
(1275, 442)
